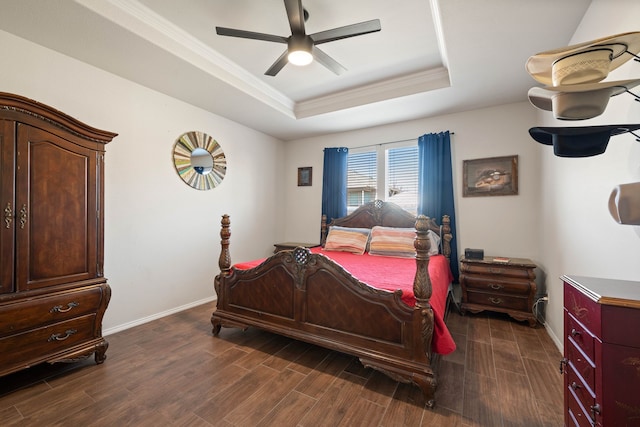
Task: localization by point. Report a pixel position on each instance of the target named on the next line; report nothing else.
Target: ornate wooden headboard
(387, 214)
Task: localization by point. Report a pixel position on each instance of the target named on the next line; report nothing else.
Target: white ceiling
(430, 58)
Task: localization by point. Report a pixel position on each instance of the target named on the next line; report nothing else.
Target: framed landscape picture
(492, 176)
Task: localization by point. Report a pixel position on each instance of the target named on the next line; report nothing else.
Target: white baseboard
(156, 316)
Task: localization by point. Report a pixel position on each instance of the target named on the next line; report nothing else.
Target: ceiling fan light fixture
(300, 51)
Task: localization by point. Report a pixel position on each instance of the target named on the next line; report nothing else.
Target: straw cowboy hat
(583, 141)
(579, 101)
(624, 203)
(587, 62)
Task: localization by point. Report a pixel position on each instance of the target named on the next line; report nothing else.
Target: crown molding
(422, 81)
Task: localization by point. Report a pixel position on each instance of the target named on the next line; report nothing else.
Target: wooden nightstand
(509, 287)
(292, 245)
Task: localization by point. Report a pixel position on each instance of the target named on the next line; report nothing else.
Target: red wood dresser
(601, 362)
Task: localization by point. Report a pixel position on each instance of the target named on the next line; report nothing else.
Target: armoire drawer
(30, 313)
(47, 340)
(497, 300)
(497, 285)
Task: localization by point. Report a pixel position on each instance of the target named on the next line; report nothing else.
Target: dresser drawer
(583, 308)
(47, 340)
(583, 366)
(498, 270)
(579, 415)
(583, 393)
(495, 300)
(29, 313)
(497, 284)
(580, 335)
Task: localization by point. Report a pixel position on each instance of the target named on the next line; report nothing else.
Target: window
(387, 172)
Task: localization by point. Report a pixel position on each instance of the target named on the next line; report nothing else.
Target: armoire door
(57, 206)
(7, 205)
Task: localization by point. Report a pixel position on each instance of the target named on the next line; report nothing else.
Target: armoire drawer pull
(496, 301)
(495, 286)
(61, 337)
(59, 309)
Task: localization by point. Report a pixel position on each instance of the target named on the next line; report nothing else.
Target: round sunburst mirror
(199, 160)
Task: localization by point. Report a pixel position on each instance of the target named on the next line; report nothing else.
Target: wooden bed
(308, 297)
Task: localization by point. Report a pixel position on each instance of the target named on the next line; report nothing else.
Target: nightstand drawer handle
(60, 337)
(575, 332)
(496, 301)
(59, 309)
(495, 286)
(496, 270)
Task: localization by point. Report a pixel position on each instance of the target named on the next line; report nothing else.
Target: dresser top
(625, 293)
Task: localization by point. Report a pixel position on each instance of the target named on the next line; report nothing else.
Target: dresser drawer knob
(59, 309)
(575, 333)
(575, 385)
(496, 270)
(495, 286)
(496, 301)
(61, 337)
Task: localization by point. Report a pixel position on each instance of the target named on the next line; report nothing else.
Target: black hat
(582, 141)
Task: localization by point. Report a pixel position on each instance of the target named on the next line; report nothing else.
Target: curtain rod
(393, 142)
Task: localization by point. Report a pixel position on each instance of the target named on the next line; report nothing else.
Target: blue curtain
(334, 183)
(435, 184)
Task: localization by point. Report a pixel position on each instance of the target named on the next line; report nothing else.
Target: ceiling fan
(302, 47)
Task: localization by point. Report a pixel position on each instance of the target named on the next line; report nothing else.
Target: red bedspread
(397, 273)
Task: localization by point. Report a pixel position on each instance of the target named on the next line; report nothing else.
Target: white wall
(161, 236)
(501, 225)
(578, 235)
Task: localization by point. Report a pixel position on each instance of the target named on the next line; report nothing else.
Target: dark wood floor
(173, 372)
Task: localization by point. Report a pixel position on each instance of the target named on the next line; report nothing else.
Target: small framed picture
(304, 177)
(493, 176)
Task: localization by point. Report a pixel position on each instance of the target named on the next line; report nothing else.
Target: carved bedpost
(323, 230)
(446, 236)
(422, 283)
(224, 262)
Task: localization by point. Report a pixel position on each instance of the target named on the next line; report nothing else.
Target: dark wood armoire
(53, 294)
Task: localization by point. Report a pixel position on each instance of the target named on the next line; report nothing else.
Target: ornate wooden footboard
(308, 297)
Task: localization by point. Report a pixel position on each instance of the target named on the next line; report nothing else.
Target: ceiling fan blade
(295, 14)
(278, 65)
(346, 31)
(222, 31)
(328, 61)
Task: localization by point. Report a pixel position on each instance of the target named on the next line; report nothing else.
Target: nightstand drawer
(497, 284)
(497, 300)
(499, 270)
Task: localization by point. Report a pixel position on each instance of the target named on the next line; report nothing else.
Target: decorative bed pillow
(393, 241)
(399, 242)
(347, 239)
